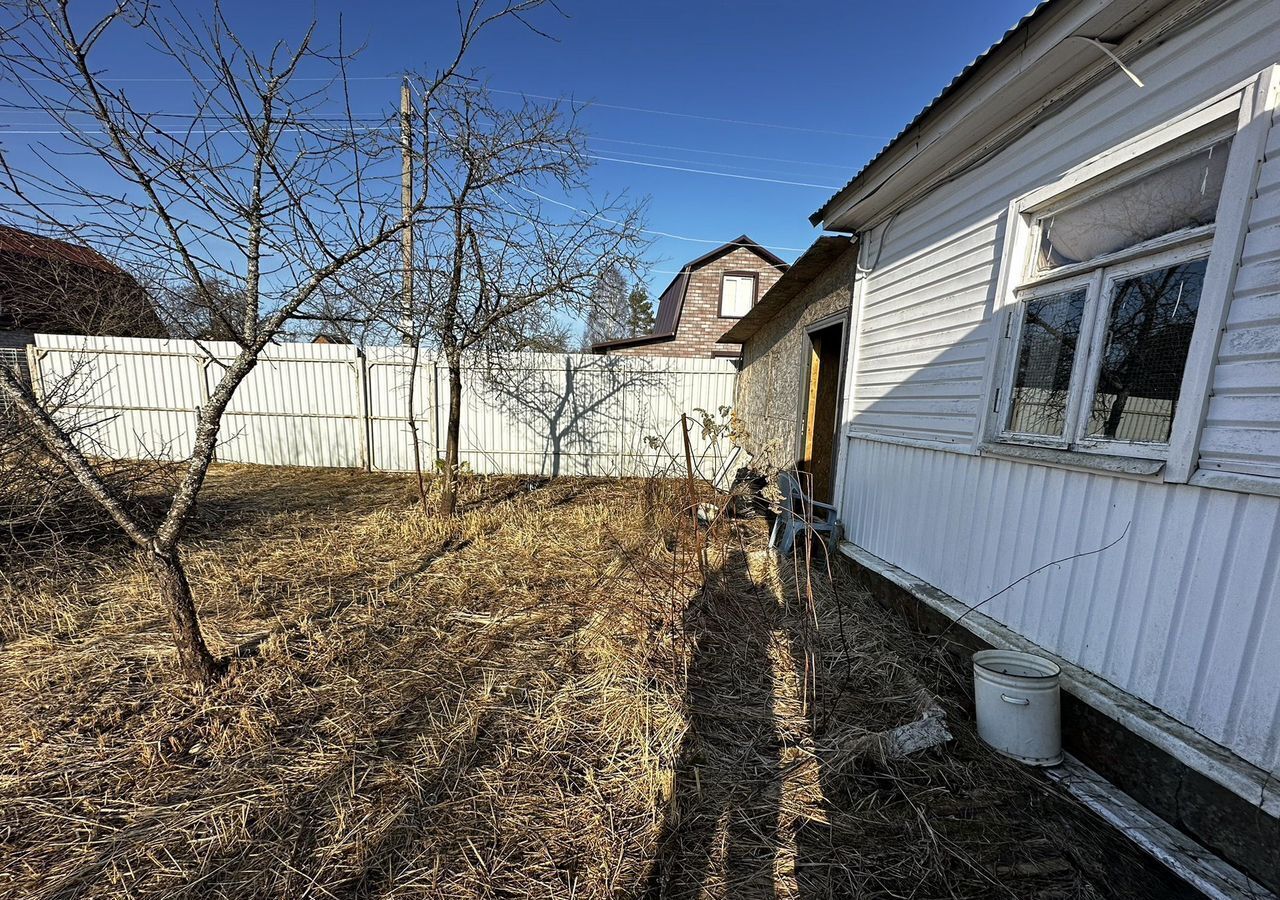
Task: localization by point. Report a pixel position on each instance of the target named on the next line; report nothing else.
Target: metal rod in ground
(693, 493)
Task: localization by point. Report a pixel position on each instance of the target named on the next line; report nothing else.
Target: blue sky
(856, 67)
(823, 85)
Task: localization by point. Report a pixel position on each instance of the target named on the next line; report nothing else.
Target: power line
(595, 156)
(800, 162)
(719, 164)
(684, 115)
(318, 126)
(650, 165)
(373, 117)
(561, 99)
(665, 234)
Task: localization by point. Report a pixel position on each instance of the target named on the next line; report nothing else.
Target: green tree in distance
(639, 311)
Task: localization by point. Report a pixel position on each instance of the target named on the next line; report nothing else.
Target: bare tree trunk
(449, 489)
(194, 658)
(1116, 416)
(308, 205)
(413, 429)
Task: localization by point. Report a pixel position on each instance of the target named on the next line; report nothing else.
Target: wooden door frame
(841, 319)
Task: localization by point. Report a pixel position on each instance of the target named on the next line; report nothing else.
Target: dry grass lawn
(543, 698)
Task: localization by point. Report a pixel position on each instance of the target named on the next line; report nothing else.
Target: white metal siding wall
(927, 307)
(1186, 612)
(322, 405)
(922, 349)
(1181, 613)
(1242, 426)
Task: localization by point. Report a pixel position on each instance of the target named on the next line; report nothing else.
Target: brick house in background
(56, 286)
(708, 296)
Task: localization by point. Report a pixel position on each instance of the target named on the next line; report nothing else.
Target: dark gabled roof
(956, 83)
(740, 241)
(89, 295)
(24, 243)
(671, 303)
(812, 263)
(664, 323)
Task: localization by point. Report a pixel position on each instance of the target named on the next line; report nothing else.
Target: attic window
(737, 295)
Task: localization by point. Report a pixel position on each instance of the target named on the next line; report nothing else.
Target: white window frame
(1243, 113)
(749, 277)
(1013, 332)
(1108, 279)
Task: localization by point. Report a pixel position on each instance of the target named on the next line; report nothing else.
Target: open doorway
(821, 403)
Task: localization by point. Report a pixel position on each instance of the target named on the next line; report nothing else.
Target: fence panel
(299, 406)
(390, 436)
(126, 398)
(332, 405)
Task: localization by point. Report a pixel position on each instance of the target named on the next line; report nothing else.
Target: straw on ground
(539, 699)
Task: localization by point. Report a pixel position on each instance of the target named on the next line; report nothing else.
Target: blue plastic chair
(799, 512)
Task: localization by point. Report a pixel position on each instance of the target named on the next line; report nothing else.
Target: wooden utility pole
(406, 208)
(408, 334)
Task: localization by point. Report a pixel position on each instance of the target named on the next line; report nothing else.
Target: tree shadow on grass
(721, 832)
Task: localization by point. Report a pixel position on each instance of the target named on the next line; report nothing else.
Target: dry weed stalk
(542, 698)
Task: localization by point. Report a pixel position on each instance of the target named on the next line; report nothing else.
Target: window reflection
(1148, 335)
(1046, 355)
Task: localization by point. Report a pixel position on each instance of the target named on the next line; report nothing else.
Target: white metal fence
(333, 405)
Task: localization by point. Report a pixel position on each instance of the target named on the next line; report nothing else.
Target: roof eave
(639, 341)
(1035, 55)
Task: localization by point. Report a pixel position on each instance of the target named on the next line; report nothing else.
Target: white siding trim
(1238, 187)
(849, 372)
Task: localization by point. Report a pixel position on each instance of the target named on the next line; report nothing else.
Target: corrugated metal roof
(664, 321)
(15, 240)
(669, 304)
(954, 85)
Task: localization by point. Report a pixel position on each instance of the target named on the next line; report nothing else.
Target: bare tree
(500, 264)
(609, 311)
(260, 187)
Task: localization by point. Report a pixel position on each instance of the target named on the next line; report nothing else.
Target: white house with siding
(1065, 336)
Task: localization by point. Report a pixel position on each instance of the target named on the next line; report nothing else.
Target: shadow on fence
(338, 406)
(581, 410)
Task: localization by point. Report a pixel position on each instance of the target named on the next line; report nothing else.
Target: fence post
(361, 366)
(622, 423)
(35, 355)
(435, 408)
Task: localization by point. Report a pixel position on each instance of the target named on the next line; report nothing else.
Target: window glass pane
(1183, 194)
(1148, 335)
(738, 295)
(1046, 353)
